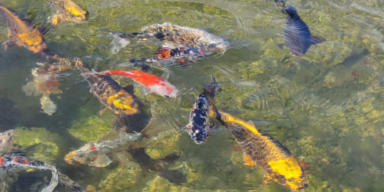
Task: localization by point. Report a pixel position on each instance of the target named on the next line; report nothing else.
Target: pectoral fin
(267, 179)
(8, 44)
(247, 161)
(316, 40)
(281, 45)
(102, 160)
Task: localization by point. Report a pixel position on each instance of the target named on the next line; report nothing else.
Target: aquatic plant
(40, 143)
(122, 178)
(90, 128)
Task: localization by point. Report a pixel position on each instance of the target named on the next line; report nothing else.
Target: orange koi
(67, 11)
(152, 82)
(21, 33)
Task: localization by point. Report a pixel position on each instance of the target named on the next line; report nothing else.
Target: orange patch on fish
(93, 148)
(69, 156)
(164, 53)
(247, 161)
(2, 161)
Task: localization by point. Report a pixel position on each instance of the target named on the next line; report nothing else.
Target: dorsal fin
(251, 123)
(316, 40)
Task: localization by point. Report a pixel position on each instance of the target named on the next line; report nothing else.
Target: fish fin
(281, 45)
(247, 161)
(102, 111)
(129, 89)
(43, 30)
(174, 176)
(251, 123)
(102, 160)
(171, 158)
(260, 123)
(316, 40)
(267, 179)
(8, 44)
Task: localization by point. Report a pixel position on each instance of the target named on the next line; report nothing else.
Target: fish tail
(211, 89)
(210, 92)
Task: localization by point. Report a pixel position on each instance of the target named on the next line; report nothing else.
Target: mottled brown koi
(108, 91)
(21, 33)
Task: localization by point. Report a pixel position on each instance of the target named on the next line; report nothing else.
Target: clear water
(327, 106)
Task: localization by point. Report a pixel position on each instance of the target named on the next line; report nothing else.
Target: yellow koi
(67, 11)
(279, 164)
(22, 34)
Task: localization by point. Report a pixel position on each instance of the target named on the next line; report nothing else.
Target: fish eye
(213, 45)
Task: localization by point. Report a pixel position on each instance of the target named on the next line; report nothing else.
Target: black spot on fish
(160, 36)
(297, 35)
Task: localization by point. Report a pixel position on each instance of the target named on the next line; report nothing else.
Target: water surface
(327, 106)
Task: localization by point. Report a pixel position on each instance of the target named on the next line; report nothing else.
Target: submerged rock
(40, 144)
(124, 178)
(164, 144)
(92, 128)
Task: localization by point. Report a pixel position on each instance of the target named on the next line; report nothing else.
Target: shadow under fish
(160, 166)
(298, 37)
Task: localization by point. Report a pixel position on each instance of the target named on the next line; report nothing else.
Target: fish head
(82, 155)
(75, 10)
(291, 11)
(90, 155)
(66, 11)
(219, 47)
(32, 40)
(290, 172)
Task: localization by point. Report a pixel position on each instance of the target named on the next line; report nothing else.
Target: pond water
(326, 107)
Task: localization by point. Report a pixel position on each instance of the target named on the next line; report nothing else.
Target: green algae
(325, 108)
(164, 144)
(92, 128)
(125, 177)
(38, 142)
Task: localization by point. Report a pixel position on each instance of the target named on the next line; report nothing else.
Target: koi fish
(45, 81)
(21, 33)
(181, 36)
(108, 92)
(66, 11)
(199, 125)
(298, 38)
(15, 162)
(95, 154)
(276, 160)
(179, 43)
(153, 83)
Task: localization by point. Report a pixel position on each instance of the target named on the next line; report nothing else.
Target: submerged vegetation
(326, 106)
